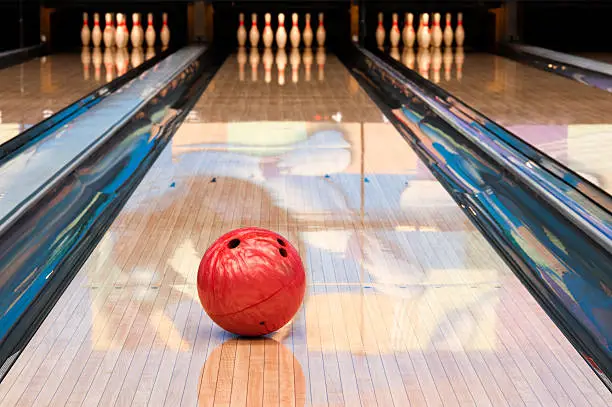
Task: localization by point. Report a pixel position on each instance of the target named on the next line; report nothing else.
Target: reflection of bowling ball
(235, 372)
(251, 281)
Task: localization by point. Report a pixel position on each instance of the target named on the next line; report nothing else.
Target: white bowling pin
(394, 34)
(408, 32)
(307, 34)
(241, 35)
(281, 64)
(268, 35)
(436, 32)
(321, 34)
(425, 34)
(254, 32)
(459, 31)
(164, 35)
(294, 60)
(137, 34)
(307, 58)
(242, 60)
(109, 31)
(120, 36)
(448, 31)
(294, 34)
(380, 32)
(254, 62)
(85, 31)
(96, 33)
(268, 60)
(150, 33)
(281, 33)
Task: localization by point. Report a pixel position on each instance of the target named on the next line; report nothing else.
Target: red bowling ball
(251, 281)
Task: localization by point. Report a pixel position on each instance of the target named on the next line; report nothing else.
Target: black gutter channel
(579, 74)
(567, 271)
(20, 55)
(54, 238)
(46, 127)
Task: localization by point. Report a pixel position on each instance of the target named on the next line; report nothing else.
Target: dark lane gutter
(565, 267)
(48, 126)
(45, 248)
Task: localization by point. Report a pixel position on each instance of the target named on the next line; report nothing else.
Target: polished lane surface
(567, 120)
(406, 303)
(36, 89)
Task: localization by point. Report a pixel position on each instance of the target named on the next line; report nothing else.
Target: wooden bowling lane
(406, 303)
(38, 88)
(567, 120)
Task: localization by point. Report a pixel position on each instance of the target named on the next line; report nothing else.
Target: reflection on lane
(282, 60)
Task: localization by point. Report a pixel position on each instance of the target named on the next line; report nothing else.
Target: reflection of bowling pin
(408, 32)
(109, 31)
(321, 32)
(380, 32)
(423, 60)
(281, 63)
(150, 33)
(85, 60)
(408, 57)
(268, 60)
(137, 34)
(281, 33)
(268, 36)
(137, 57)
(436, 32)
(307, 34)
(459, 31)
(241, 35)
(448, 62)
(97, 62)
(164, 35)
(436, 64)
(242, 59)
(307, 58)
(109, 64)
(254, 32)
(448, 31)
(294, 34)
(395, 53)
(321, 57)
(119, 33)
(459, 58)
(294, 60)
(120, 61)
(85, 31)
(150, 53)
(254, 61)
(425, 34)
(96, 33)
(394, 34)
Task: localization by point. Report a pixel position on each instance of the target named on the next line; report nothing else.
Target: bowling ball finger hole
(281, 242)
(282, 252)
(233, 243)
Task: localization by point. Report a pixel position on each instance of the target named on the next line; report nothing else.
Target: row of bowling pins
(425, 35)
(281, 33)
(120, 36)
(294, 59)
(115, 60)
(434, 58)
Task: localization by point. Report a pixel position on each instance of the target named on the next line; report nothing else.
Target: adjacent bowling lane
(36, 89)
(406, 303)
(567, 120)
